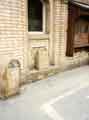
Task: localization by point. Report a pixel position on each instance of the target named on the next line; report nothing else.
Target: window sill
(38, 36)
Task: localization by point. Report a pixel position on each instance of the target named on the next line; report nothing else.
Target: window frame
(43, 20)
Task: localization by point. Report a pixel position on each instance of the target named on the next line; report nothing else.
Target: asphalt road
(64, 96)
(74, 106)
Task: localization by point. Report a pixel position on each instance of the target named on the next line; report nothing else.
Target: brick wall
(13, 31)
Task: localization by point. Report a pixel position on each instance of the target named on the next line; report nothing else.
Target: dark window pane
(35, 12)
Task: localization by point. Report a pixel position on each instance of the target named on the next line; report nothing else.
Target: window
(36, 16)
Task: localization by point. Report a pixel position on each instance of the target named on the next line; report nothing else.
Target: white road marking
(52, 113)
(66, 94)
(87, 97)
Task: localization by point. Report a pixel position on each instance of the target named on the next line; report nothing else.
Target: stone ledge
(35, 75)
(38, 36)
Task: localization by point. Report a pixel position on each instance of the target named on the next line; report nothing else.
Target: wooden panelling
(78, 28)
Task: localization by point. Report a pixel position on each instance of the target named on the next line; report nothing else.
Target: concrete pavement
(64, 96)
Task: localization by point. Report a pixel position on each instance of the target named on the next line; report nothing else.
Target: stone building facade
(41, 48)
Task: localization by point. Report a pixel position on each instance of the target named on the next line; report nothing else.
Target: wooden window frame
(43, 18)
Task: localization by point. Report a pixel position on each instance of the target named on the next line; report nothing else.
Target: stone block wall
(17, 43)
(58, 39)
(57, 30)
(13, 42)
(36, 43)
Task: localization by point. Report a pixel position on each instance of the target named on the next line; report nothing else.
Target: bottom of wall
(34, 75)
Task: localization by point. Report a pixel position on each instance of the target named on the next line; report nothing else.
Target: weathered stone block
(42, 59)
